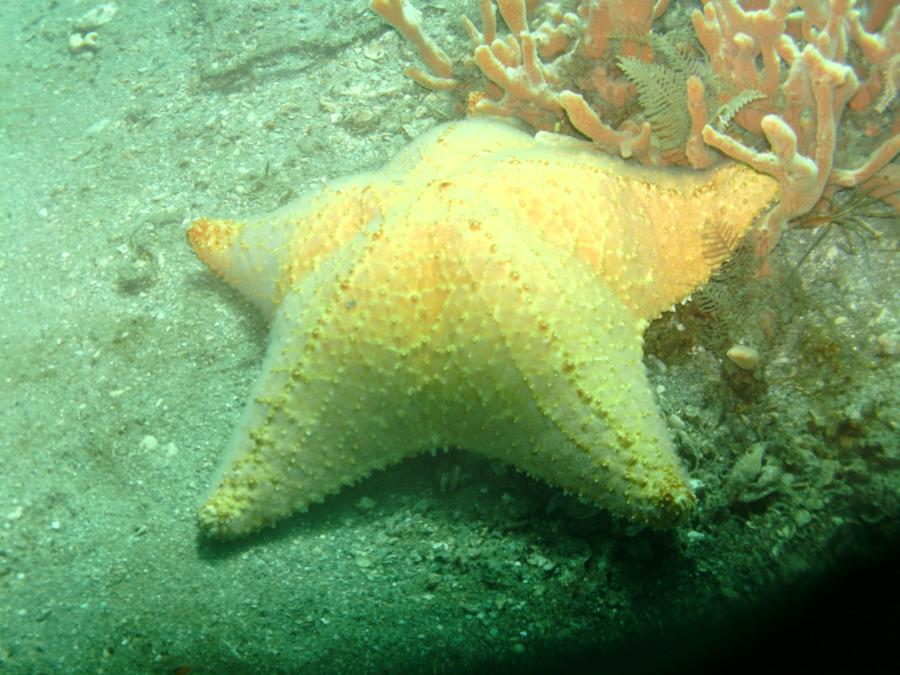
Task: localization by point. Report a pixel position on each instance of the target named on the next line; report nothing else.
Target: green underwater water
(124, 365)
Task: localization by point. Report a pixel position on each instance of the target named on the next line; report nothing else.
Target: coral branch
(796, 74)
(408, 21)
(583, 118)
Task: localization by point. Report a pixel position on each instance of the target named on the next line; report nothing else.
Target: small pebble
(743, 356)
(365, 504)
(888, 344)
(149, 443)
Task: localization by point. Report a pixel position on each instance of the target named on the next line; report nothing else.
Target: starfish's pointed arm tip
(668, 509)
(211, 240)
(217, 522)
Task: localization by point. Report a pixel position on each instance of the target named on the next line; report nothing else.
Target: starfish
(488, 290)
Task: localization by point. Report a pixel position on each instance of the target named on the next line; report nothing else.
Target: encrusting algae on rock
(486, 290)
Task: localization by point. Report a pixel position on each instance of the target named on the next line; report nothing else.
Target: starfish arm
(319, 416)
(561, 379)
(653, 234)
(264, 256)
(677, 236)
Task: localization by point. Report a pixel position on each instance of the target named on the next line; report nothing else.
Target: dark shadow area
(843, 621)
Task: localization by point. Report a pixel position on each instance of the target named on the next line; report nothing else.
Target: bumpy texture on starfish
(486, 290)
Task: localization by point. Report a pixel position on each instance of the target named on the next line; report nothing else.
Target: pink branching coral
(771, 83)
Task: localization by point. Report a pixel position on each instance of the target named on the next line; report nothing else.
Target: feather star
(488, 290)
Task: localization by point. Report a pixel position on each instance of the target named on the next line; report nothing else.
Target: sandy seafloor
(124, 365)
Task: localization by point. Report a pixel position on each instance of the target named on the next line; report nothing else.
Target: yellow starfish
(486, 290)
